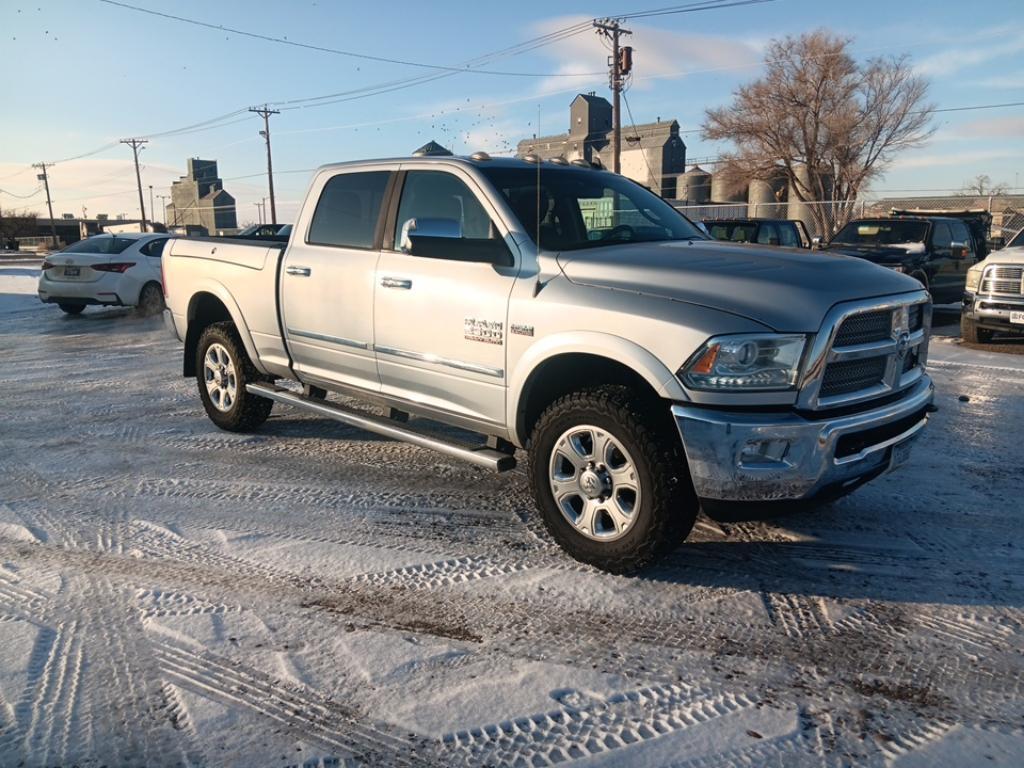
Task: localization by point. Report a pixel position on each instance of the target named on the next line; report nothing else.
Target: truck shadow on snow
(914, 568)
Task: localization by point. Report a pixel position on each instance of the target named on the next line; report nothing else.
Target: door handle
(396, 282)
(300, 271)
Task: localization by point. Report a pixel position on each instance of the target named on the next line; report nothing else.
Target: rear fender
(221, 292)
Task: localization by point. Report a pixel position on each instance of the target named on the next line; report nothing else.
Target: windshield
(574, 208)
(101, 244)
(1018, 240)
(886, 232)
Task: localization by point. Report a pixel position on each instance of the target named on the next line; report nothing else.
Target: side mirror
(442, 239)
(958, 250)
(816, 241)
(415, 230)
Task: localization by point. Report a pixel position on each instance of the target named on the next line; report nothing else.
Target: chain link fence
(826, 217)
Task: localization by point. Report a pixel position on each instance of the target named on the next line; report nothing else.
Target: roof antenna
(537, 127)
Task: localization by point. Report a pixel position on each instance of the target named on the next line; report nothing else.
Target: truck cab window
(348, 210)
(440, 195)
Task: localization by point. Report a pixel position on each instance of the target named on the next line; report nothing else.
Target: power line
(325, 49)
(632, 122)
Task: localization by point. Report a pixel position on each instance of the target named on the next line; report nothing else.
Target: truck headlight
(757, 361)
(973, 280)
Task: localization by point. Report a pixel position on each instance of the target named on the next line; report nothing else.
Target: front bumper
(765, 457)
(990, 311)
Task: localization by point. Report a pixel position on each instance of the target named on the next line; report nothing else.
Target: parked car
(121, 270)
(646, 370)
(994, 295)
(790, 233)
(936, 251)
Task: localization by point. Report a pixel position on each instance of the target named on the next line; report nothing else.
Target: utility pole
(44, 177)
(152, 207)
(621, 63)
(163, 202)
(265, 112)
(259, 212)
(135, 144)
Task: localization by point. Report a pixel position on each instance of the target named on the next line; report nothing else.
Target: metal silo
(723, 192)
(763, 201)
(696, 186)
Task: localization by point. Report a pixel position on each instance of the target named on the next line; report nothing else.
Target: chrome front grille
(1004, 280)
(865, 328)
(852, 376)
(867, 350)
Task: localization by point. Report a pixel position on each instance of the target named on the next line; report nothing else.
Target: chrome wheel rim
(594, 482)
(220, 377)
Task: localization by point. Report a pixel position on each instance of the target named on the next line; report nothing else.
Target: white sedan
(121, 270)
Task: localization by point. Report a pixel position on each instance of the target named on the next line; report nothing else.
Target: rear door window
(942, 238)
(768, 234)
(789, 236)
(348, 211)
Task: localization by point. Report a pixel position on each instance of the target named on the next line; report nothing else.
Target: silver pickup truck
(567, 311)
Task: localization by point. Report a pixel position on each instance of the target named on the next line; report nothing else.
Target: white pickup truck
(569, 312)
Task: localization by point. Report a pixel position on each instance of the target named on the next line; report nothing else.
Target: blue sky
(79, 74)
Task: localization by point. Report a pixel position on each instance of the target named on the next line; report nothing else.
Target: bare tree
(20, 225)
(822, 122)
(982, 186)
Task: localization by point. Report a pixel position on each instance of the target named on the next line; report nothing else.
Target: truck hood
(788, 290)
(1004, 256)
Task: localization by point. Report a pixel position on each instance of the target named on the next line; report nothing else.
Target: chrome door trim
(396, 282)
(331, 339)
(300, 271)
(437, 360)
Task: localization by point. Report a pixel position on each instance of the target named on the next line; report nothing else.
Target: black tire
(72, 309)
(667, 507)
(245, 412)
(151, 300)
(970, 332)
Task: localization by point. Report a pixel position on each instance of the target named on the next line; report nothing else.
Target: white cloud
(955, 158)
(957, 57)
(658, 54)
(1011, 127)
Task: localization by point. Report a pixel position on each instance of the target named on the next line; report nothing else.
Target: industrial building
(198, 199)
(652, 153)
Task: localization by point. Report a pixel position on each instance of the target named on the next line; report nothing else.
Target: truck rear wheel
(222, 370)
(971, 333)
(610, 479)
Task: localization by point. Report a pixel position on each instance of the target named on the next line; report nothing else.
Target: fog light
(764, 452)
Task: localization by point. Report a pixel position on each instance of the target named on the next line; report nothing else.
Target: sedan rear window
(99, 245)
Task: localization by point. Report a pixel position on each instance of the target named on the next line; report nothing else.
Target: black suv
(938, 251)
(785, 232)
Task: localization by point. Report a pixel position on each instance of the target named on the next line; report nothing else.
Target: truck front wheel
(222, 370)
(971, 333)
(610, 478)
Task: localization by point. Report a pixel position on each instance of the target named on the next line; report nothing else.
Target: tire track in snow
(616, 723)
(305, 713)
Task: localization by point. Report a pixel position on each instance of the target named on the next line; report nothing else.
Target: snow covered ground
(312, 595)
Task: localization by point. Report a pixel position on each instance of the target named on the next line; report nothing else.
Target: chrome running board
(481, 455)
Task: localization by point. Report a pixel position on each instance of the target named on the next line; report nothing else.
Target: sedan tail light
(47, 265)
(116, 266)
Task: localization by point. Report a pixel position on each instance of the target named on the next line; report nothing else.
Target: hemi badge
(521, 330)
